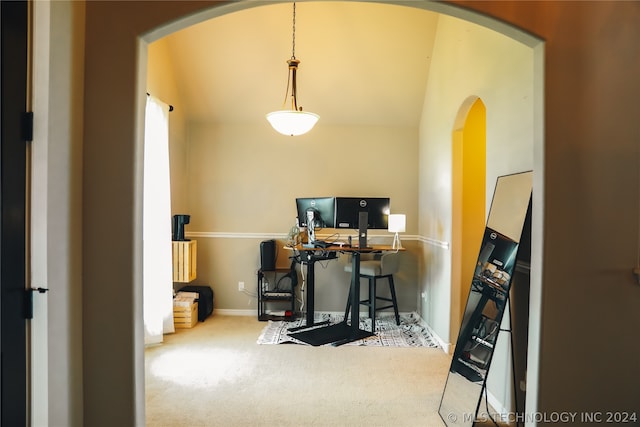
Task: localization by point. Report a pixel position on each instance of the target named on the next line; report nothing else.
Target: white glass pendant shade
(291, 122)
(294, 121)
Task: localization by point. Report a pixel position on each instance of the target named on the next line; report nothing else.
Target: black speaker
(268, 255)
(363, 221)
(178, 227)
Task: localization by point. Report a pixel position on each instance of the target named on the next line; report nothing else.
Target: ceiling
(361, 63)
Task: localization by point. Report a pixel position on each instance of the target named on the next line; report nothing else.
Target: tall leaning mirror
(487, 300)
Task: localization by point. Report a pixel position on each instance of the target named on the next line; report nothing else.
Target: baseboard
(234, 312)
(445, 346)
(252, 312)
(496, 405)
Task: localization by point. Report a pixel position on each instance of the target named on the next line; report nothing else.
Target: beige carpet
(217, 375)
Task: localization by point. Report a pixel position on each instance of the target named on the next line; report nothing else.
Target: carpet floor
(216, 375)
(410, 333)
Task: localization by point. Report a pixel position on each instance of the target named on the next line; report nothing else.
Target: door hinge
(27, 126)
(28, 300)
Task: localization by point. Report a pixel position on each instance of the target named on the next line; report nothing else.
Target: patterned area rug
(410, 333)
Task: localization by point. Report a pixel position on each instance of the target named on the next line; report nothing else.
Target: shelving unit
(184, 260)
(269, 295)
(184, 254)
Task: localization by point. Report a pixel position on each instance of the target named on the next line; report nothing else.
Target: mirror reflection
(487, 300)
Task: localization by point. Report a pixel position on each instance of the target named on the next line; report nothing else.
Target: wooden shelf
(184, 260)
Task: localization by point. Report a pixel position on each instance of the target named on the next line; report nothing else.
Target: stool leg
(372, 297)
(392, 288)
(346, 311)
(372, 301)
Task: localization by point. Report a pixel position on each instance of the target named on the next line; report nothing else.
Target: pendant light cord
(294, 101)
(293, 36)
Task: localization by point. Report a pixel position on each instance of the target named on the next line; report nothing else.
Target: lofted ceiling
(361, 63)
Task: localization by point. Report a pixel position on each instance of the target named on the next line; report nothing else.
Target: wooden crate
(185, 316)
(184, 261)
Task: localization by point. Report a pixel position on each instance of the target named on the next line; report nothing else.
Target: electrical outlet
(241, 286)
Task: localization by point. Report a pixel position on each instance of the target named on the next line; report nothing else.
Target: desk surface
(345, 248)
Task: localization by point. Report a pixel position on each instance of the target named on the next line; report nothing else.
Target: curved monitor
(348, 210)
(323, 209)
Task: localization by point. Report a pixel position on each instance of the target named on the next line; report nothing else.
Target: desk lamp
(397, 224)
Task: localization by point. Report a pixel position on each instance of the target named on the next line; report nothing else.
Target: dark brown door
(13, 95)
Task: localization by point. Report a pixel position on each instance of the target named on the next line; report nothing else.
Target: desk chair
(383, 266)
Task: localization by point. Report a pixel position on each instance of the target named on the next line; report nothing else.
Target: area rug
(410, 333)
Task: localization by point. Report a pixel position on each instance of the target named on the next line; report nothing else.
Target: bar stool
(375, 269)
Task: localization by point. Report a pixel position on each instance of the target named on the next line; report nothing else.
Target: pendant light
(294, 121)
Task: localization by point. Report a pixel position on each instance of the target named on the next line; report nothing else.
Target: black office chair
(384, 266)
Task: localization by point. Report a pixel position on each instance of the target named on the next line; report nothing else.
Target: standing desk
(339, 333)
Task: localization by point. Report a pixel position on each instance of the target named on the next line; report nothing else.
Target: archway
(468, 172)
(99, 157)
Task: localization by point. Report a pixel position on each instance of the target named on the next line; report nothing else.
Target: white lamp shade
(291, 122)
(397, 223)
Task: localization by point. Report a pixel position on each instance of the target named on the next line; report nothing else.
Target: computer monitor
(323, 209)
(348, 210)
(497, 256)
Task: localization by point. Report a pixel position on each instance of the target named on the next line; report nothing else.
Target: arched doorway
(468, 172)
(97, 403)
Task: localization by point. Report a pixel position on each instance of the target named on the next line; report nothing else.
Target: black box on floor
(205, 300)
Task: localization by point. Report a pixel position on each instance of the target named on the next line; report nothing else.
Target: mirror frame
(487, 300)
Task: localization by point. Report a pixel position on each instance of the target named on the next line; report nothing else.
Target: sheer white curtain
(157, 260)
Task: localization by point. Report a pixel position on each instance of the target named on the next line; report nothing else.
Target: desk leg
(340, 333)
(311, 278)
(311, 274)
(355, 291)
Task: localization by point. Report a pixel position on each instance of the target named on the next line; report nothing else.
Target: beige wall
(468, 60)
(162, 84)
(589, 201)
(239, 182)
(245, 178)
(585, 196)
(243, 181)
